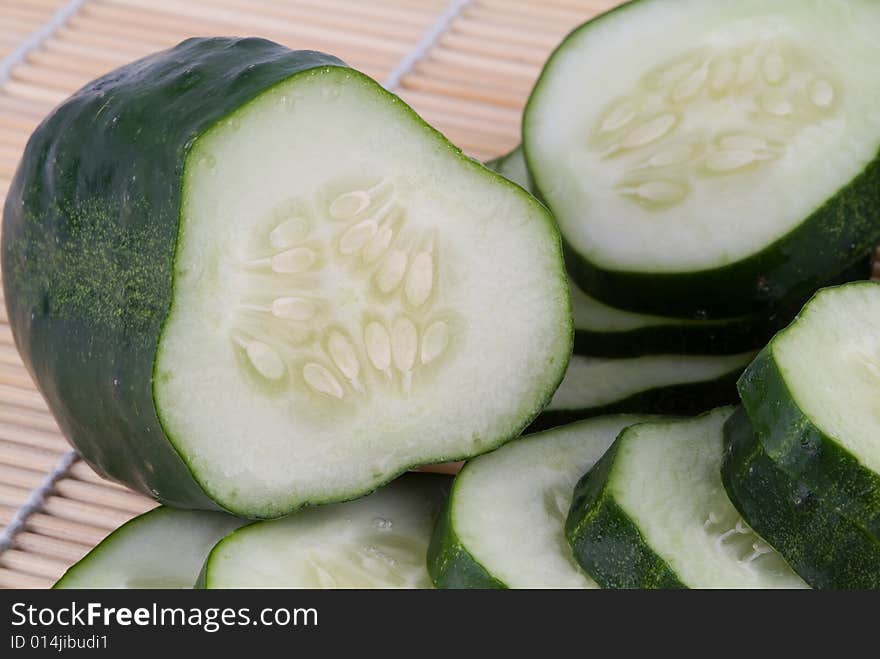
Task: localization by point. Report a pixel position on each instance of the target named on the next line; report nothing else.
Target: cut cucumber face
(249, 278)
(163, 548)
(498, 531)
(804, 467)
(655, 384)
(735, 150)
(379, 541)
(653, 513)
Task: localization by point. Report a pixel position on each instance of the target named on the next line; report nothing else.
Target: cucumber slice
(727, 162)
(805, 470)
(163, 548)
(512, 166)
(652, 513)
(249, 278)
(378, 541)
(503, 532)
(604, 331)
(655, 384)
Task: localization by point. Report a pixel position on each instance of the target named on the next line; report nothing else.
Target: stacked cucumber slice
(250, 280)
(653, 384)
(378, 541)
(653, 514)
(503, 532)
(803, 456)
(135, 555)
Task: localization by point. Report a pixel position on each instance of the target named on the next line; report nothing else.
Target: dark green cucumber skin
(90, 229)
(450, 564)
(605, 541)
(832, 238)
(823, 547)
(681, 399)
(798, 488)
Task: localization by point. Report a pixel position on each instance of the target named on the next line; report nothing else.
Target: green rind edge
(89, 237)
(823, 547)
(450, 564)
(606, 543)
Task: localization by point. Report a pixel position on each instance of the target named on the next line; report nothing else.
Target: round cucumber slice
(163, 548)
(497, 531)
(249, 278)
(803, 461)
(378, 541)
(728, 162)
(652, 513)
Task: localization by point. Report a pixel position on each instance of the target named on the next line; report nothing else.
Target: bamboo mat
(466, 67)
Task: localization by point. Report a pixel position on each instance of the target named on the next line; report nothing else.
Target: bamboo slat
(471, 84)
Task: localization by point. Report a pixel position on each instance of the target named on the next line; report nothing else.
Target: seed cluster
(360, 233)
(763, 95)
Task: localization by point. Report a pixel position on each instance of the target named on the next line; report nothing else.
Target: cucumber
(604, 331)
(512, 166)
(503, 532)
(378, 541)
(652, 513)
(803, 467)
(163, 548)
(248, 278)
(654, 384)
(729, 161)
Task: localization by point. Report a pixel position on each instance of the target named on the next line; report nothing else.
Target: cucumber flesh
(280, 276)
(378, 541)
(653, 514)
(163, 548)
(507, 531)
(803, 463)
(736, 150)
(342, 324)
(653, 384)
